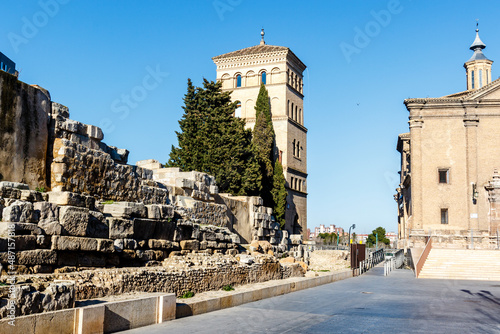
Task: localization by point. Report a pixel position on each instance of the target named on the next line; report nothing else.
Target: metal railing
(373, 259)
(394, 262)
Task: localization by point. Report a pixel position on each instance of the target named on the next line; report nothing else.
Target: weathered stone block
(159, 244)
(65, 243)
(68, 198)
(19, 211)
(120, 228)
(105, 245)
(47, 212)
(144, 228)
(36, 257)
(18, 229)
(74, 220)
(97, 227)
(164, 229)
(212, 244)
(94, 132)
(153, 211)
(51, 227)
(125, 210)
(25, 242)
(190, 245)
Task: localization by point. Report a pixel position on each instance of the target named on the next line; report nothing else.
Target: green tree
(263, 140)
(382, 239)
(213, 141)
(279, 194)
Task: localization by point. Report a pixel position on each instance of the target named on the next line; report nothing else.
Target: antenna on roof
(262, 42)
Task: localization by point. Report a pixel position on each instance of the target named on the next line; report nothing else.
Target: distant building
(450, 185)
(7, 65)
(329, 229)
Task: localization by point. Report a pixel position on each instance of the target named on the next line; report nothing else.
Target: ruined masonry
(71, 203)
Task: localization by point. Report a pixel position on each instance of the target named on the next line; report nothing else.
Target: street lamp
(353, 226)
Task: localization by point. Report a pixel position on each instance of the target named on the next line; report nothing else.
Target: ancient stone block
(164, 229)
(153, 211)
(105, 245)
(36, 257)
(30, 196)
(7, 228)
(190, 245)
(51, 227)
(43, 241)
(159, 244)
(203, 245)
(59, 110)
(144, 228)
(125, 209)
(25, 242)
(68, 198)
(120, 228)
(128, 254)
(212, 244)
(97, 227)
(145, 255)
(47, 212)
(65, 243)
(74, 220)
(19, 211)
(94, 132)
(92, 259)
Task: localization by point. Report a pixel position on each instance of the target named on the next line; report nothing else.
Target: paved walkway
(371, 303)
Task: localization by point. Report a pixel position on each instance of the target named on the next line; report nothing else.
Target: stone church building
(242, 72)
(450, 185)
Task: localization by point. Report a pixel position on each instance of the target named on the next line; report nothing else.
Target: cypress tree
(279, 194)
(213, 141)
(263, 140)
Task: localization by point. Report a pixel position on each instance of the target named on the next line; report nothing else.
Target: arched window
(237, 112)
(300, 116)
(293, 147)
(238, 80)
(288, 108)
(296, 114)
(291, 111)
(263, 77)
(298, 149)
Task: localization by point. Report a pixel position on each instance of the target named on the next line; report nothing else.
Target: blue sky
(90, 54)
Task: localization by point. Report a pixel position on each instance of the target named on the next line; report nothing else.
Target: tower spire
(262, 42)
(478, 67)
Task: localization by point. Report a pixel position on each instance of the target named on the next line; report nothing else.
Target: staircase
(462, 264)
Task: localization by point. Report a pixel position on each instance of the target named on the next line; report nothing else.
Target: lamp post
(353, 226)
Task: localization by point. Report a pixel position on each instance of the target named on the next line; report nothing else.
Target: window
(237, 112)
(293, 143)
(444, 175)
(263, 77)
(472, 79)
(291, 183)
(288, 109)
(298, 149)
(238, 80)
(300, 116)
(480, 78)
(291, 111)
(444, 216)
(296, 113)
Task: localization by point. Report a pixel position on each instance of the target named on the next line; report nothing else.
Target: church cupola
(478, 67)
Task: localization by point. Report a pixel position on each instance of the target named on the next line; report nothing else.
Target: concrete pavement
(371, 303)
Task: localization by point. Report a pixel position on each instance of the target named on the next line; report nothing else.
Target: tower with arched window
(277, 67)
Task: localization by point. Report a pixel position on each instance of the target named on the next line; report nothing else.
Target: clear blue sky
(90, 53)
